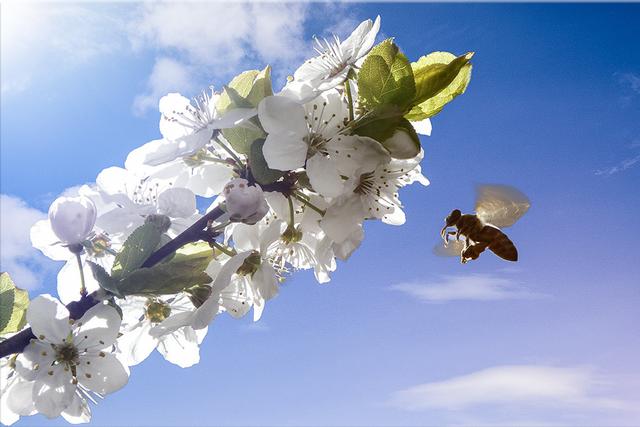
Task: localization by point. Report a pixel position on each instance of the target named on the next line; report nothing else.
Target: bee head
(453, 217)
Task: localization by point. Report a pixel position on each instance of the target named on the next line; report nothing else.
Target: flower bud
(245, 203)
(72, 218)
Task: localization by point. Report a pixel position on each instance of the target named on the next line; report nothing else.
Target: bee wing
(453, 248)
(500, 205)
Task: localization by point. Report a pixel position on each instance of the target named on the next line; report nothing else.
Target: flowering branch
(296, 172)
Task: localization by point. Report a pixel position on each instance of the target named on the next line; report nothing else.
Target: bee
(497, 206)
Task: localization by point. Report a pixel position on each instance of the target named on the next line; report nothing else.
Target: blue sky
(553, 108)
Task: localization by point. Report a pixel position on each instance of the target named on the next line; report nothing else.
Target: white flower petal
(181, 347)
(324, 176)
(103, 373)
(281, 115)
(78, 411)
(18, 399)
(98, 328)
(53, 390)
(35, 357)
(361, 40)
(343, 217)
(152, 153)
(284, 152)
(209, 179)
(137, 344)
(423, 127)
(177, 202)
(49, 319)
(44, 239)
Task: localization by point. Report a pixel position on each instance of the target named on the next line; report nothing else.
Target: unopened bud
(72, 218)
(245, 203)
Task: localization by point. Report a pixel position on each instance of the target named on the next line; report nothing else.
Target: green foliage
(386, 77)
(439, 77)
(13, 306)
(259, 168)
(136, 249)
(241, 138)
(184, 270)
(246, 90)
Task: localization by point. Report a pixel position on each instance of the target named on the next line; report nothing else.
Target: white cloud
(17, 257)
(475, 287)
(631, 80)
(168, 75)
(514, 386)
(217, 40)
(34, 33)
(620, 167)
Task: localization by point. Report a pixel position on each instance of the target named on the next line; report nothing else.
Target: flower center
(67, 353)
(198, 115)
(365, 186)
(250, 265)
(157, 311)
(100, 245)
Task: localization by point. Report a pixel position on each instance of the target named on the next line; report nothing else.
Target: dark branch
(77, 309)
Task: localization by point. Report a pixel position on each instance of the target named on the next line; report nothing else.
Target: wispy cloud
(17, 257)
(212, 40)
(559, 394)
(473, 287)
(620, 167)
(168, 75)
(34, 33)
(630, 80)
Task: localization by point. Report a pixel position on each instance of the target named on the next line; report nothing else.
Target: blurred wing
(500, 205)
(453, 248)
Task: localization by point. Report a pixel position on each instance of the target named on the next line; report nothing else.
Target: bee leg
(446, 237)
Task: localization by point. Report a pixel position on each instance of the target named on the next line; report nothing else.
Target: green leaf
(386, 77)
(185, 270)
(378, 124)
(246, 90)
(13, 306)
(439, 77)
(136, 249)
(259, 168)
(241, 138)
(103, 278)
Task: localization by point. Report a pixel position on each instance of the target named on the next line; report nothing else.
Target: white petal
(137, 344)
(36, 356)
(207, 311)
(98, 328)
(152, 153)
(344, 250)
(115, 180)
(181, 347)
(171, 105)
(284, 152)
(324, 176)
(44, 239)
(281, 115)
(172, 324)
(362, 39)
(78, 411)
(177, 203)
(103, 373)
(233, 118)
(236, 298)
(396, 217)
(423, 127)
(19, 400)
(209, 179)
(53, 390)
(343, 217)
(49, 319)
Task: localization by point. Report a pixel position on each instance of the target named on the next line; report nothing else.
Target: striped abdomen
(499, 243)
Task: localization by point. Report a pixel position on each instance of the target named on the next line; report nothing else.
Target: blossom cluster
(290, 179)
